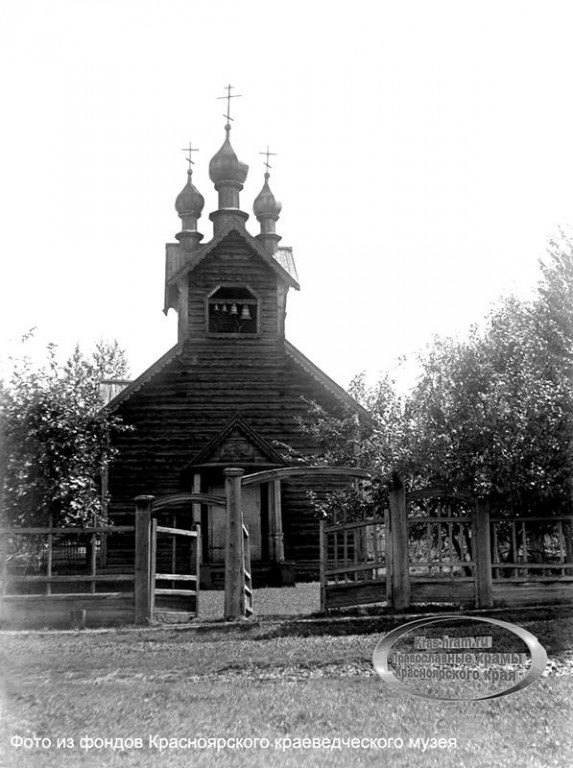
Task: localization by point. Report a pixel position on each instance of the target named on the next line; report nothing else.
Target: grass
(179, 682)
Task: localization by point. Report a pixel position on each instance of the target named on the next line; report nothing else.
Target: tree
(55, 436)
(491, 413)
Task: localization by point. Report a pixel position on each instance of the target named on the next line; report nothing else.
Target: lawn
(265, 681)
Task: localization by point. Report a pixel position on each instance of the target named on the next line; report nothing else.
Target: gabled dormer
(234, 287)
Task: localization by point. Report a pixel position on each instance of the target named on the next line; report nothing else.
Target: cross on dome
(229, 96)
(189, 149)
(268, 154)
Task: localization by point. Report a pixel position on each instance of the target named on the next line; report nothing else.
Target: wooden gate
(442, 551)
(168, 555)
(178, 566)
(353, 558)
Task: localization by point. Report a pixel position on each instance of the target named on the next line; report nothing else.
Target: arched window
(233, 310)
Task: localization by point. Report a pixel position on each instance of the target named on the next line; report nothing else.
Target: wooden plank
(152, 566)
(430, 563)
(412, 521)
(142, 559)
(77, 531)
(371, 565)
(531, 579)
(196, 508)
(174, 547)
(234, 557)
(362, 593)
(399, 534)
(482, 555)
(350, 526)
(538, 519)
(69, 579)
(533, 593)
(323, 546)
(176, 592)
(70, 596)
(176, 531)
(532, 566)
(93, 561)
(192, 498)
(50, 556)
(442, 590)
(279, 547)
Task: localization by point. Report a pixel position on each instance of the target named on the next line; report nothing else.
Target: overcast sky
(425, 157)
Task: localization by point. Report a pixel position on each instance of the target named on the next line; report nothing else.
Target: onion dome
(225, 165)
(189, 200)
(265, 204)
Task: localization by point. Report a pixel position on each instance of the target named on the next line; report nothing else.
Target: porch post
(398, 518)
(234, 565)
(197, 520)
(277, 517)
(482, 556)
(197, 507)
(142, 585)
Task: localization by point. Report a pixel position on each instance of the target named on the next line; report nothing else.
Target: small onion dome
(225, 166)
(265, 203)
(189, 200)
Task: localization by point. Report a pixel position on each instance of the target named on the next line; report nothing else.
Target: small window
(233, 310)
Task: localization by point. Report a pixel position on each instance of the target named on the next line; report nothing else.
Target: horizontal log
(355, 568)
(71, 596)
(176, 532)
(532, 580)
(177, 592)
(439, 519)
(67, 531)
(350, 526)
(174, 577)
(287, 472)
(70, 578)
(439, 493)
(528, 566)
(191, 498)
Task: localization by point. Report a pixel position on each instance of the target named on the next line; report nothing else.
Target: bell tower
(233, 287)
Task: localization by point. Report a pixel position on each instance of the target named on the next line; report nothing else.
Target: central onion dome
(225, 165)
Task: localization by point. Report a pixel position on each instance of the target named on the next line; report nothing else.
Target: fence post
(234, 565)
(142, 585)
(482, 556)
(400, 573)
(323, 563)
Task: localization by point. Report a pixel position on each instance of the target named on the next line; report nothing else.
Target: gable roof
(293, 354)
(145, 377)
(283, 265)
(318, 375)
(258, 449)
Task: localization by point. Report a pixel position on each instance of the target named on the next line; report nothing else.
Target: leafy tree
(491, 413)
(55, 437)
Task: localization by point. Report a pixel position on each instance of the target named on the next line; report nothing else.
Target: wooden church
(231, 390)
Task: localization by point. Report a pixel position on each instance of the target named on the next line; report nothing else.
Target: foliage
(55, 437)
(491, 413)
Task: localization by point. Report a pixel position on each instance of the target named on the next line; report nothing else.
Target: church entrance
(213, 520)
(214, 530)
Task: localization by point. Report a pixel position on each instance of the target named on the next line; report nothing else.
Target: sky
(424, 159)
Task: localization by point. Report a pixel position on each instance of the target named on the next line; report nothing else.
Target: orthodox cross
(268, 154)
(189, 149)
(229, 96)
